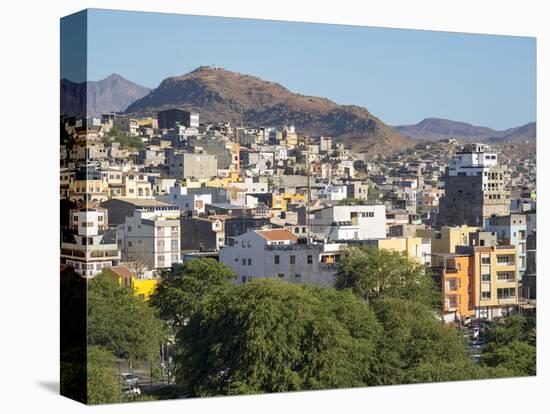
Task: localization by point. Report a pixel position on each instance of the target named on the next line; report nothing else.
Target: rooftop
(277, 234)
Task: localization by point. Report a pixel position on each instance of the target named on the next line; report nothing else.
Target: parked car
(129, 379)
(131, 391)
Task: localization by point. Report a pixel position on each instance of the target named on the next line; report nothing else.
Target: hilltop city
(145, 193)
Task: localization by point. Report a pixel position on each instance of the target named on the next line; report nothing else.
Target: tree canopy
(373, 273)
(512, 345)
(181, 289)
(270, 336)
(102, 380)
(122, 323)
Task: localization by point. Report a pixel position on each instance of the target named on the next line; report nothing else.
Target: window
(486, 277)
(129, 244)
(506, 276)
(129, 228)
(244, 279)
(174, 245)
(174, 258)
(75, 218)
(485, 295)
(309, 259)
(486, 260)
(297, 275)
(277, 259)
(503, 259)
(249, 244)
(249, 262)
(244, 262)
(281, 275)
(506, 293)
(292, 259)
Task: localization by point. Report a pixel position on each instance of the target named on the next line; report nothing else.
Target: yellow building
(148, 122)
(415, 248)
(142, 288)
(495, 287)
(281, 201)
(446, 239)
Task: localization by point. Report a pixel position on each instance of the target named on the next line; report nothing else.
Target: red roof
(277, 234)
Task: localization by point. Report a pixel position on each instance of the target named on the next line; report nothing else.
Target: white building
(186, 201)
(333, 193)
(279, 253)
(151, 239)
(89, 245)
(350, 222)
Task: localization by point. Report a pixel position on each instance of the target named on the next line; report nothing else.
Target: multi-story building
(151, 240)
(416, 248)
(170, 118)
(494, 286)
(183, 165)
(281, 254)
(453, 274)
(447, 238)
(88, 245)
(511, 230)
(349, 222)
(475, 188)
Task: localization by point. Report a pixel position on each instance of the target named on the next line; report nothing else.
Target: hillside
(221, 95)
(93, 98)
(436, 128)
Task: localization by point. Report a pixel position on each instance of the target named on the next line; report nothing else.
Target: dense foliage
(181, 289)
(373, 273)
(102, 378)
(512, 345)
(121, 323)
(270, 336)
(125, 140)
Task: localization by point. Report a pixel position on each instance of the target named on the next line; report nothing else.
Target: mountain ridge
(438, 128)
(222, 95)
(92, 98)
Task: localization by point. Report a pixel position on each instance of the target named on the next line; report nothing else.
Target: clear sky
(401, 76)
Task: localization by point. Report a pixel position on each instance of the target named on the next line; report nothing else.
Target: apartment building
(447, 238)
(475, 188)
(89, 245)
(415, 248)
(152, 240)
(453, 274)
(512, 230)
(494, 285)
(278, 253)
(349, 222)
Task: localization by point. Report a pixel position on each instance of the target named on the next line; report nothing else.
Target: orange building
(454, 275)
(478, 281)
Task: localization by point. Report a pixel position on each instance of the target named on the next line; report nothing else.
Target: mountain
(437, 128)
(93, 98)
(221, 95)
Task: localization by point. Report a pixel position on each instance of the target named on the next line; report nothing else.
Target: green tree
(512, 345)
(180, 290)
(272, 336)
(102, 379)
(417, 347)
(121, 323)
(373, 273)
(125, 140)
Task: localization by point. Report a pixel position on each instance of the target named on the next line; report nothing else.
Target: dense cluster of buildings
(269, 202)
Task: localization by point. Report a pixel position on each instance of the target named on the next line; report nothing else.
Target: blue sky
(401, 76)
